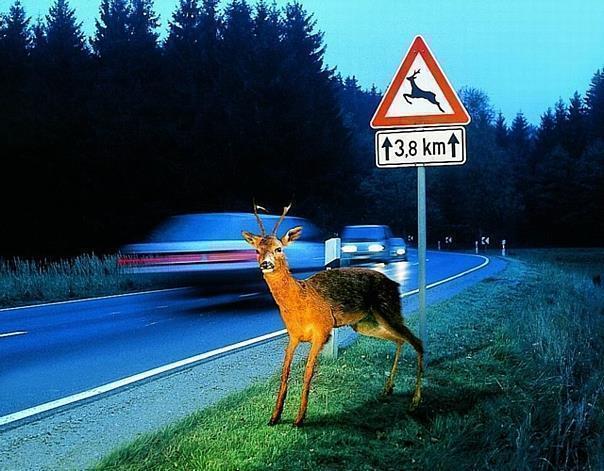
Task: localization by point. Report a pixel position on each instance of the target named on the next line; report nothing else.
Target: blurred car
(371, 244)
(207, 249)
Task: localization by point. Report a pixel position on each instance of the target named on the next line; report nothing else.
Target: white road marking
(163, 306)
(451, 278)
(12, 334)
(48, 406)
(92, 299)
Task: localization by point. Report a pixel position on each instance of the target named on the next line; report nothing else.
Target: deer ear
(251, 238)
(291, 235)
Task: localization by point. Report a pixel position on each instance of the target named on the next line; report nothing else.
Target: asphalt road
(49, 352)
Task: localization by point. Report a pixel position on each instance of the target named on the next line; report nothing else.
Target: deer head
(411, 78)
(268, 246)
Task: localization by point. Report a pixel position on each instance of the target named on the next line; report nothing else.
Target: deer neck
(282, 285)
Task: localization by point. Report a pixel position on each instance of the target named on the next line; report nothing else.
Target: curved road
(53, 351)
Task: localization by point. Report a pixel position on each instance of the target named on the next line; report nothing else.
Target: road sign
(485, 240)
(415, 147)
(419, 94)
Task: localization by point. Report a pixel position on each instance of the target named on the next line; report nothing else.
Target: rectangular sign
(420, 147)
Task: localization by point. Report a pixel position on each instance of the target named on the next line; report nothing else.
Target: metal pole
(421, 253)
(333, 257)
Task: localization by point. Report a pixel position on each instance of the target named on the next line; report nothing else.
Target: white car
(208, 249)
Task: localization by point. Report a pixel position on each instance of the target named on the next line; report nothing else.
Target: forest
(104, 136)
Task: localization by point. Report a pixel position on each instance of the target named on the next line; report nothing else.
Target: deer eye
(258, 251)
(278, 249)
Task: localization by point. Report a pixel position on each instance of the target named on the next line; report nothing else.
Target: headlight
(400, 251)
(376, 247)
(349, 248)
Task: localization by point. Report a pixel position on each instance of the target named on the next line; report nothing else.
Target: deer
(417, 92)
(362, 298)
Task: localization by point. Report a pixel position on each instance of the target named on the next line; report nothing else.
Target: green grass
(515, 381)
(31, 282)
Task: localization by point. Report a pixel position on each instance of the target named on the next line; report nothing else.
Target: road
(53, 351)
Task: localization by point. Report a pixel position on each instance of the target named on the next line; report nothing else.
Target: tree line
(103, 137)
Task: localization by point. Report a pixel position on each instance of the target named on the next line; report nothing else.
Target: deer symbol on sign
(417, 92)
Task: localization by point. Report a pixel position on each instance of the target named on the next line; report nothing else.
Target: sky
(525, 54)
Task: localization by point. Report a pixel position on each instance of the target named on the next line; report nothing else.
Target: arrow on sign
(453, 141)
(386, 146)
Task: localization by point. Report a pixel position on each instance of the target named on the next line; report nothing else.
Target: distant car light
(349, 248)
(376, 247)
(400, 251)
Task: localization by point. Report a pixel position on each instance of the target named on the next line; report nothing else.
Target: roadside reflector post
(503, 248)
(421, 253)
(439, 245)
(333, 259)
(476, 246)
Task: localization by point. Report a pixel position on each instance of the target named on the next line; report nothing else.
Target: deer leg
(390, 382)
(287, 363)
(380, 328)
(315, 349)
(406, 96)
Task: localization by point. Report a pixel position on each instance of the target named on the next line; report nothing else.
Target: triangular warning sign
(419, 94)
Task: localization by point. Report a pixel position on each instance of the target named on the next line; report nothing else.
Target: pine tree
(520, 132)
(501, 131)
(15, 42)
(112, 34)
(547, 134)
(576, 135)
(594, 100)
(143, 23)
(184, 31)
(15, 36)
(64, 38)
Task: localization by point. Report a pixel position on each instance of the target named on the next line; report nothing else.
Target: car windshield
(363, 233)
(204, 227)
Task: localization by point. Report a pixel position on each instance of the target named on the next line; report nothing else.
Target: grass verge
(515, 382)
(31, 282)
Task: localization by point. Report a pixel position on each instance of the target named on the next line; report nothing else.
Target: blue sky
(524, 54)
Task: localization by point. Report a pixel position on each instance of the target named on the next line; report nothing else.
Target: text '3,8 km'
(413, 147)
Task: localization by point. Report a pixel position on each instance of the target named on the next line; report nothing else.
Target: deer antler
(285, 211)
(416, 72)
(260, 223)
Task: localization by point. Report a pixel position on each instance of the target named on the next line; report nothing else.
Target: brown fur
(364, 299)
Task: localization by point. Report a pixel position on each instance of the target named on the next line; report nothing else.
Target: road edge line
(486, 261)
(65, 401)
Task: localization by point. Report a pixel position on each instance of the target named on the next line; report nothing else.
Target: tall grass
(35, 281)
(560, 334)
(514, 382)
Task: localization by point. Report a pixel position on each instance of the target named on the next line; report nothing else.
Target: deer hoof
(415, 402)
(388, 389)
(273, 421)
(298, 423)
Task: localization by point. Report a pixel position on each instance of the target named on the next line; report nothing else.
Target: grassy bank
(515, 382)
(30, 282)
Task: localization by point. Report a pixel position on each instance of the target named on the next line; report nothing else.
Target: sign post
(425, 118)
(421, 255)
